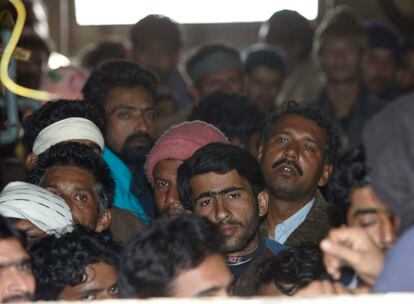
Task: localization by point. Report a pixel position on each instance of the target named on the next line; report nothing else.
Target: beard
(18, 297)
(133, 154)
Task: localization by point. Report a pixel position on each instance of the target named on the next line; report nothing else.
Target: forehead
(167, 167)
(340, 42)
(212, 181)
(69, 174)
(11, 251)
(265, 71)
(364, 198)
(223, 73)
(135, 97)
(296, 123)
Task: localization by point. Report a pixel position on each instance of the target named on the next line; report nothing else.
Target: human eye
(205, 202)
(234, 195)
(368, 221)
(82, 197)
(25, 266)
(88, 297)
(161, 183)
(150, 114)
(113, 290)
(281, 139)
(308, 148)
(123, 114)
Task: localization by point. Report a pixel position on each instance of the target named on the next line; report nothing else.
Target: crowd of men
(284, 169)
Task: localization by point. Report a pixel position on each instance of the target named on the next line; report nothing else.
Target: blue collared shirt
(123, 197)
(285, 229)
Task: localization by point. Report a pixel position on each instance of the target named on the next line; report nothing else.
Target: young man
(127, 93)
(215, 67)
(175, 145)
(80, 265)
(297, 155)
(265, 68)
(178, 257)
(225, 184)
(16, 281)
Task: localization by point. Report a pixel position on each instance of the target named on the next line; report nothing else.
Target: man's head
(339, 42)
(175, 145)
(265, 67)
(80, 265)
(289, 31)
(215, 67)
(298, 151)
(379, 62)
(34, 211)
(178, 257)
(350, 187)
(127, 94)
(74, 172)
(16, 278)
(225, 184)
(54, 112)
(238, 119)
(156, 41)
(290, 270)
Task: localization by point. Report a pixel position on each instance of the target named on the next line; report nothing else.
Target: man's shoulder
(273, 246)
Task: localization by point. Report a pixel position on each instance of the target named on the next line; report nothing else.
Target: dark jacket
(322, 217)
(124, 224)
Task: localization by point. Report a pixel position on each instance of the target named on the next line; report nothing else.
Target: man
(225, 184)
(16, 281)
(379, 63)
(293, 33)
(215, 67)
(238, 119)
(127, 94)
(351, 188)
(178, 257)
(297, 155)
(174, 146)
(339, 43)
(157, 41)
(79, 266)
(34, 211)
(265, 67)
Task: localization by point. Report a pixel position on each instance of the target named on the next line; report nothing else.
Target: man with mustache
(225, 184)
(297, 155)
(127, 93)
(16, 279)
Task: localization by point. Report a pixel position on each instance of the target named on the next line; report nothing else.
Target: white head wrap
(73, 128)
(47, 211)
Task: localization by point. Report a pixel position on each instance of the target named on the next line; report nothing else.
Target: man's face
(157, 57)
(17, 283)
(228, 201)
(263, 87)
(293, 158)
(368, 212)
(165, 188)
(228, 80)
(100, 284)
(378, 70)
(340, 60)
(211, 278)
(131, 127)
(78, 188)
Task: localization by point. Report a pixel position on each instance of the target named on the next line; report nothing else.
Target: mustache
(288, 162)
(139, 135)
(229, 222)
(26, 296)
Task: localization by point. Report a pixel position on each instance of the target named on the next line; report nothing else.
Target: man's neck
(343, 96)
(249, 249)
(282, 209)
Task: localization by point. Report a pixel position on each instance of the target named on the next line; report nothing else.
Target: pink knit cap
(180, 142)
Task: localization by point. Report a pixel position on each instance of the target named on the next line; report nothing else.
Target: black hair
(7, 231)
(155, 256)
(33, 41)
(289, 27)
(312, 113)
(156, 28)
(117, 73)
(266, 56)
(61, 261)
(81, 156)
(54, 111)
(200, 53)
(219, 158)
(292, 269)
(232, 114)
(93, 55)
(351, 173)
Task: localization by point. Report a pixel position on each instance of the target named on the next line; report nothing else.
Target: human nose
(172, 196)
(222, 210)
(292, 151)
(387, 233)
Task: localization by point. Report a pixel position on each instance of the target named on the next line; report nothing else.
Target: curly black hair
(292, 269)
(154, 257)
(219, 158)
(117, 73)
(232, 114)
(312, 113)
(81, 156)
(62, 261)
(54, 111)
(351, 173)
